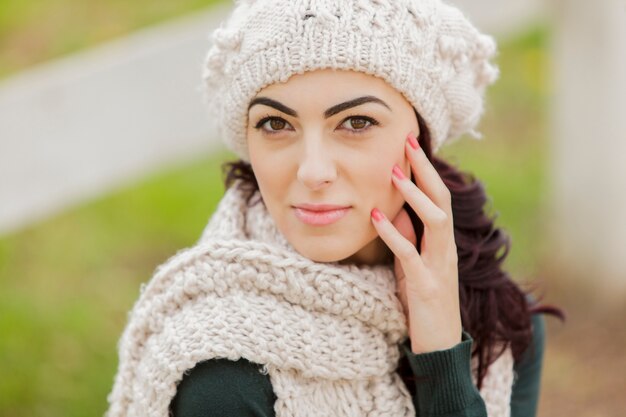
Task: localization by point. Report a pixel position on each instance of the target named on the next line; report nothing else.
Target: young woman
(346, 271)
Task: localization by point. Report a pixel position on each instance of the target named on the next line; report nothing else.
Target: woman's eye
(356, 124)
(353, 124)
(271, 125)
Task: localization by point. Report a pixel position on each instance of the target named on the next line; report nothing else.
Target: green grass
(67, 283)
(33, 31)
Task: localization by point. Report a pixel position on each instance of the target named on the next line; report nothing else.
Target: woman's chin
(343, 254)
(323, 253)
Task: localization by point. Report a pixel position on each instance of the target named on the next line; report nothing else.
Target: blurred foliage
(512, 156)
(33, 31)
(66, 284)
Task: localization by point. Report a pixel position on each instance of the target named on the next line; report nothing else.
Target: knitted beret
(426, 49)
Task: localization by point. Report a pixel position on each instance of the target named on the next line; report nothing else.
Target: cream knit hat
(426, 49)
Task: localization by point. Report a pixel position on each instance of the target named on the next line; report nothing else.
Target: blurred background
(108, 166)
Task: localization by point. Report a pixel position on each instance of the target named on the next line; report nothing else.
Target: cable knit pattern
(327, 334)
(425, 49)
(497, 384)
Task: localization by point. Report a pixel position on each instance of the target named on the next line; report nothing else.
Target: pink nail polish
(413, 141)
(397, 172)
(377, 215)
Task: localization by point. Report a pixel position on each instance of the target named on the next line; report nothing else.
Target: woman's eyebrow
(273, 103)
(353, 103)
(337, 108)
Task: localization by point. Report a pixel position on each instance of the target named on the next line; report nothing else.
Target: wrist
(417, 345)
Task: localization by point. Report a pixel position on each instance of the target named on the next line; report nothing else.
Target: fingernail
(413, 141)
(377, 215)
(397, 172)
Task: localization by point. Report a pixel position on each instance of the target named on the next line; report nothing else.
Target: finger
(430, 213)
(438, 230)
(401, 247)
(426, 176)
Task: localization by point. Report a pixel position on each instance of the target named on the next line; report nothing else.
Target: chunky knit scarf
(327, 334)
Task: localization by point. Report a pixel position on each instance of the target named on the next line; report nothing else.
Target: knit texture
(327, 334)
(427, 50)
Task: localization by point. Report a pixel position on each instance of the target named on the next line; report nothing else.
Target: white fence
(80, 126)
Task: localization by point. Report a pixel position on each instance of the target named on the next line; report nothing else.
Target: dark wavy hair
(495, 311)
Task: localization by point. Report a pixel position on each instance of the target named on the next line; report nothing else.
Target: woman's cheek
(382, 186)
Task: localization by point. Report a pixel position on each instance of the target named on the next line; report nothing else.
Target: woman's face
(330, 137)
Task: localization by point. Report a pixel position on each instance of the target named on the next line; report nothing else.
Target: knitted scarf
(327, 334)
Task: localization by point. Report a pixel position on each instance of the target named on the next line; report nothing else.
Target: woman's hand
(427, 281)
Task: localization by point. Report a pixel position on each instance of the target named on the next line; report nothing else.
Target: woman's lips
(320, 217)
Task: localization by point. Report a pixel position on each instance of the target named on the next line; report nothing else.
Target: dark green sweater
(220, 387)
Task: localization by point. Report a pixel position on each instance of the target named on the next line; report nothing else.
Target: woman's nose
(317, 167)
